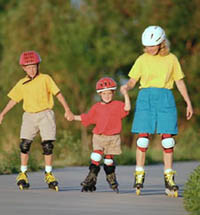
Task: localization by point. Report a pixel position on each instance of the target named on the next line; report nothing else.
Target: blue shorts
(155, 112)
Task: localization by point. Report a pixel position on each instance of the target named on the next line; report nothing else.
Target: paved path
(39, 200)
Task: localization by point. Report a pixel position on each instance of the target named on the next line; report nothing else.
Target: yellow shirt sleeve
(177, 71)
(53, 88)
(16, 93)
(135, 71)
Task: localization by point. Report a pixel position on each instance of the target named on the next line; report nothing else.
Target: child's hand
(189, 112)
(69, 116)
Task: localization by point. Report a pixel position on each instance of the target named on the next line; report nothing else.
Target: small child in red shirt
(107, 117)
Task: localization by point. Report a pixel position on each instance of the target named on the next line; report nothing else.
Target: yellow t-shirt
(156, 71)
(37, 94)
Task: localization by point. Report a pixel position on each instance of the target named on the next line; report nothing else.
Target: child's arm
(183, 91)
(68, 114)
(127, 106)
(8, 107)
(77, 118)
(129, 85)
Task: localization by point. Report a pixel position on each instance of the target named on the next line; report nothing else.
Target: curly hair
(164, 48)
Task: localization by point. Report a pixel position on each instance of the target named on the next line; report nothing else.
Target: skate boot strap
(139, 176)
(22, 176)
(91, 177)
(169, 177)
(112, 178)
(49, 177)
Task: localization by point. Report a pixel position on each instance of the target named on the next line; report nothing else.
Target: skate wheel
(116, 190)
(172, 193)
(175, 194)
(84, 189)
(56, 188)
(138, 191)
(21, 187)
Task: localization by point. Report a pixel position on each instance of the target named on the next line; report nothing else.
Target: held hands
(69, 116)
(124, 89)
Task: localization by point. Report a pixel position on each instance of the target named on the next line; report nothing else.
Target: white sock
(168, 171)
(48, 169)
(139, 168)
(23, 168)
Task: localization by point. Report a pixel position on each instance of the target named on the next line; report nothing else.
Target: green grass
(192, 193)
(69, 151)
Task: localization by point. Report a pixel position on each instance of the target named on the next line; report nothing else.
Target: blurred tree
(81, 41)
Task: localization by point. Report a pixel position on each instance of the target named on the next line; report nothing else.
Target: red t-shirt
(106, 117)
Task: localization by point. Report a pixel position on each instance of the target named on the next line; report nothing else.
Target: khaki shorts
(108, 144)
(43, 122)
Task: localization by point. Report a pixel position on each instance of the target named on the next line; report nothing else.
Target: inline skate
(111, 177)
(171, 188)
(90, 181)
(51, 181)
(22, 181)
(139, 181)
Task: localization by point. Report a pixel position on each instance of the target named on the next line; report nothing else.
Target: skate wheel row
(172, 193)
(56, 188)
(52, 187)
(138, 191)
(23, 186)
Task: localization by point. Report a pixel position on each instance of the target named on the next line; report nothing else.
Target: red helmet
(105, 83)
(29, 57)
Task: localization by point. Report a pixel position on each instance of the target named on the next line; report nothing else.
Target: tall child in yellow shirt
(36, 90)
(157, 70)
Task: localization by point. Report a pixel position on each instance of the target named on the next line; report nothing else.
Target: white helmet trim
(153, 36)
(105, 89)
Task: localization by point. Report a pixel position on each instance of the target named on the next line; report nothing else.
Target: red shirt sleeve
(89, 118)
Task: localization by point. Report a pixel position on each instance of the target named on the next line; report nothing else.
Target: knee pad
(143, 142)
(109, 169)
(168, 143)
(96, 156)
(47, 147)
(25, 146)
(108, 160)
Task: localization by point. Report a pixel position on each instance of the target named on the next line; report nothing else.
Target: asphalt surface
(39, 200)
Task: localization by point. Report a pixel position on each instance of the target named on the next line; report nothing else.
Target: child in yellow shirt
(36, 90)
(155, 112)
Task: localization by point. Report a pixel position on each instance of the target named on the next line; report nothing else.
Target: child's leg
(109, 168)
(47, 147)
(168, 144)
(22, 178)
(142, 146)
(50, 179)
(91, 179)
(25, 148)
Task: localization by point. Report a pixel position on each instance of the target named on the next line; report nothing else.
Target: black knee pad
(25, 146)
(109, 169)
(47, 147)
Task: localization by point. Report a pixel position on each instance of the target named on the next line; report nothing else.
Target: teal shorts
(155, 112)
